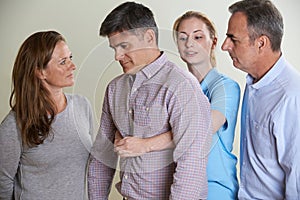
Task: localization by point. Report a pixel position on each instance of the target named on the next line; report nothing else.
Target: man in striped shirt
(153, 96)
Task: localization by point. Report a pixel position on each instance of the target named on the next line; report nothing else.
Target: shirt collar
(155, 66)
(269, 77)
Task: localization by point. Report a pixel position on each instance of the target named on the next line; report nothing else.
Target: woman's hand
(133, 146)
(130, 146)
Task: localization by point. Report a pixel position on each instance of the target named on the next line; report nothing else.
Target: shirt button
(125, 176)
(130, 111)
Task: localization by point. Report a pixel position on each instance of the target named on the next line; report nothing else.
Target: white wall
(79, 22)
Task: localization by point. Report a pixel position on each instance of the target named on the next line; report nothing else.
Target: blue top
(224, 96)
(270, 135)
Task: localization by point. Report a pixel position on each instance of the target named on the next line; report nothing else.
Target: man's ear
(150, 36)
(262, 41)
(40, 74)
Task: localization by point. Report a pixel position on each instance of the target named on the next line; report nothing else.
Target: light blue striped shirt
(270, 135)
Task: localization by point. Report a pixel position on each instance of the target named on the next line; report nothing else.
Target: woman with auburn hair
(46, 137)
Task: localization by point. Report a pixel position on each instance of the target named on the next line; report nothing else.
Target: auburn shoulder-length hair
(30, 100)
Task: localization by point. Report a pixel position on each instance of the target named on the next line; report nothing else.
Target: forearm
(218, 120)
(160, 142)
(134, 146)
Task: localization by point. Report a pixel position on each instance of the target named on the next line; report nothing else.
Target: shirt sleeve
(85, 120)
(287, 133)
(103, 159)
(10, 152)
(99, 179)
(225, 98)
(190, 122)
(91, 119)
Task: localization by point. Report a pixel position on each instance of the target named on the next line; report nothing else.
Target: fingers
(127, 154)
(124, 153)
(123, 149)
(121, 153)
(129, 147)
(123, 142)
(120, 147)
(119, 142)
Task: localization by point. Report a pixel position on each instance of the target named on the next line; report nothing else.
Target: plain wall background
(79, 22)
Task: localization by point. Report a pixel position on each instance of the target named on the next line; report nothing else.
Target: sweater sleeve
(10, 152)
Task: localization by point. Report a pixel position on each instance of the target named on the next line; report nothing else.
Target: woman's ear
(214, 43)
(40, 74)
